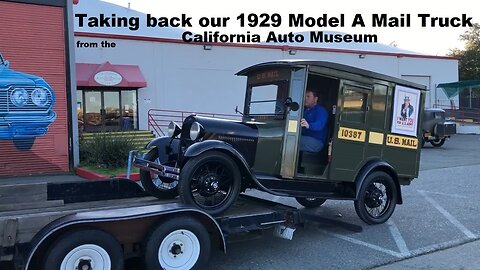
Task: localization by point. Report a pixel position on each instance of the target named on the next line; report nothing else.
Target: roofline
(292, 63)
(260, 46)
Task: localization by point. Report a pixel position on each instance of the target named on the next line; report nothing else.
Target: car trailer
(99, 224)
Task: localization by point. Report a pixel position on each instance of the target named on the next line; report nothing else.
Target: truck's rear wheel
(160, 187)
(85, 249)
(178, 243)
(310, 202)
(377, 198)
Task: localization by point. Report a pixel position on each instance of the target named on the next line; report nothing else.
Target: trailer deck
(31, 222)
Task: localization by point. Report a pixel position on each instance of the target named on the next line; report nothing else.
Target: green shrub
(106, 149)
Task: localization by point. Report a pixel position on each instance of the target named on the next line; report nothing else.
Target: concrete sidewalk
(462, 257)
(41, 179)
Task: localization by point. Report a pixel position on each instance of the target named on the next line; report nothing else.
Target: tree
(469, 59)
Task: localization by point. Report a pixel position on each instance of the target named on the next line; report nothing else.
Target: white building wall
(439, 71)
(188, 78)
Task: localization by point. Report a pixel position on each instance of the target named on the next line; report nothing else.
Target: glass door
(102, 111)
(93, 111)
(111, 111)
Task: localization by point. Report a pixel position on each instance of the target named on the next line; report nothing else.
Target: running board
(308, 189)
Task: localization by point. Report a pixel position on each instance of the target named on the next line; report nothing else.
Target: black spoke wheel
(210, 181)
(160, 187)
(377, 198)
(438, 142)
(177, 243)
(84, 249)
(310, 202)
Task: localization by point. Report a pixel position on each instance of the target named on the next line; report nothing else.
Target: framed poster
(405, 110)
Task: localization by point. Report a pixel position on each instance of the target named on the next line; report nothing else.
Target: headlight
(195, 131)
(19, 97)
(40, 97)
(173, 129)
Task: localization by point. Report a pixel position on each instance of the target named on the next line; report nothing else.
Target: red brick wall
(32, 39)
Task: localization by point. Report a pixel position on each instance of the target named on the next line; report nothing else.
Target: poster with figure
(405, 110)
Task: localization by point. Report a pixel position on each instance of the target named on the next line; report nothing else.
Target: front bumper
(159, 169)
(28, 126)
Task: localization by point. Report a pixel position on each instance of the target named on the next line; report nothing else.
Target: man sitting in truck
(314, 123)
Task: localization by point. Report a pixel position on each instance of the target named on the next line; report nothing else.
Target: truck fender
(375, 165)
(167, 147)
(162, 142)
(201, 147)
(86, 219)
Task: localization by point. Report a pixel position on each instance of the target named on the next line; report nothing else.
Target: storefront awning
(108, 75)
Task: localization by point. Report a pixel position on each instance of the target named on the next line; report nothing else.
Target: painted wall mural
(26, 106)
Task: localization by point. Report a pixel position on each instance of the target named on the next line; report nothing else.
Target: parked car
(371, 149)
(436, 129)
(26, 106)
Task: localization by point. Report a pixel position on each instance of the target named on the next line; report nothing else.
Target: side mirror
(291, 104)
(7, 64)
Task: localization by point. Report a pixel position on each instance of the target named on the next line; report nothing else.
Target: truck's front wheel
(85, 249)
(178, 243)
(210, 181)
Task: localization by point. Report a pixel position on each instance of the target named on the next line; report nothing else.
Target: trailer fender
(87, 219)
(377, 165)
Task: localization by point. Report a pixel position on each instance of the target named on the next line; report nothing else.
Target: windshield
(267, 91)
(267, 99)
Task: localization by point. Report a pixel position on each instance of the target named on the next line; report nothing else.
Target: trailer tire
(178, 243)
(377, 198)
(310, 202)
(91, 247)
(155, 189)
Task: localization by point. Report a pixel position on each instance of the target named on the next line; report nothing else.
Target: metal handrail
(159, 119)
(460, 114)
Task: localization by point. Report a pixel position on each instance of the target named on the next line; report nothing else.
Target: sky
(432, 40)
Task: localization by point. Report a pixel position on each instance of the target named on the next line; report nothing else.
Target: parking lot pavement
(464, 257)
(437, 227)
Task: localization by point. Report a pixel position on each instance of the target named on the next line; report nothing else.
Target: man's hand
(304, 123)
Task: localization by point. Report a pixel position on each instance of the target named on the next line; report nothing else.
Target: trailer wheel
(310, 202)
(438, 142)
(160, 187)
(85, 250)
(377, 198)
(210, 181)
(178, 243)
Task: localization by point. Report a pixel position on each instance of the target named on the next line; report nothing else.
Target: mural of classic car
(26, 106)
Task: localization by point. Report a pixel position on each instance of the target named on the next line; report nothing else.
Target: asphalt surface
(437, 227)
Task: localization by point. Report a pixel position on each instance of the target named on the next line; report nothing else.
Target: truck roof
(289, 63)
